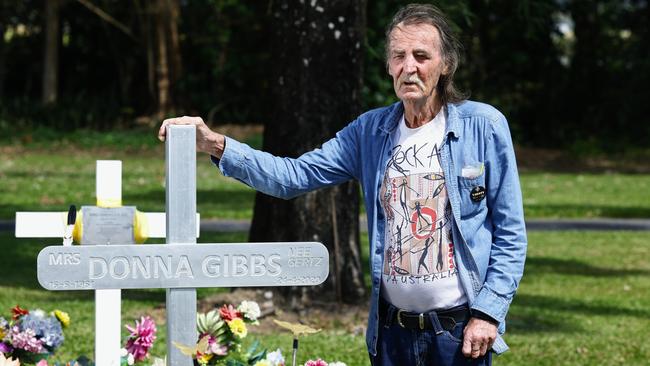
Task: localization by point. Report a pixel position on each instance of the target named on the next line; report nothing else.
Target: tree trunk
(174, 10)
(51, 52)
(317, 81)
(162, 67)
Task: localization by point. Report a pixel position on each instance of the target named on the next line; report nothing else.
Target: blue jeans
(397, 346)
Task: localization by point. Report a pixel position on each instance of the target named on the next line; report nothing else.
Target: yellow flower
(238, 328)
(204, 358)
(262, 363)
(63, 317)
(2, 334)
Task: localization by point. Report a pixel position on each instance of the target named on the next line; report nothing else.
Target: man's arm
(335, 162)
(508, 252)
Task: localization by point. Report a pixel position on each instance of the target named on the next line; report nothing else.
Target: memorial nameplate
(107, 225)
(182, 265)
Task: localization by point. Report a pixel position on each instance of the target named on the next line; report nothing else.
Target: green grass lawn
(40, 180)
(583, 300)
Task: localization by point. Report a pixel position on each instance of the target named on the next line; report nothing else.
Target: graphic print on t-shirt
(418, 216)
(419, 273)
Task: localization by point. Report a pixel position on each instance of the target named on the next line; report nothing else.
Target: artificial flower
(8, 361)
(228, 312)
(47, 329)
(215, 348)
(25, 340)
(275, 358)
(17, 312)
(5, 348)
(318, 362)
(203, 358)
(63, 317)
(141, 338)
(238, 327)
(250, 309)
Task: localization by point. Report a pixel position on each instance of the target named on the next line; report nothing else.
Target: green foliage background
(566, 73)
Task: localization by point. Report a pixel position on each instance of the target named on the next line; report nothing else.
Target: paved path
(531, 225)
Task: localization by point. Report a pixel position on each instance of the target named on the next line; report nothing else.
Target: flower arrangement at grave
(319, 362)
(139, 342)
(30, 336)
(221, 333)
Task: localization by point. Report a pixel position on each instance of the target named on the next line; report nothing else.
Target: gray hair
(451, 47)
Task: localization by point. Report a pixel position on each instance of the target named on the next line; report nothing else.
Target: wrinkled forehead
(414, 35)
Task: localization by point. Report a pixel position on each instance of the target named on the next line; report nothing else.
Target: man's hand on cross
(207, 141)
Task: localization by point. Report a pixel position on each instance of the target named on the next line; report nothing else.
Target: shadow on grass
(531, 314)
(527, 323)
(555, 305)
(585, 210)
(224, 200)
(537, 265)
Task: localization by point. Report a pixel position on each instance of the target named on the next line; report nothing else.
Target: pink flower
(141, 339)
(215, 348)
(25, 340)
(318, 362)
(228, 313)
(42, 363)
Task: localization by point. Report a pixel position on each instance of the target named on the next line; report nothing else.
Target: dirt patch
(320, 315)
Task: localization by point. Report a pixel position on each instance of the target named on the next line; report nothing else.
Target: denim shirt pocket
(469, 207)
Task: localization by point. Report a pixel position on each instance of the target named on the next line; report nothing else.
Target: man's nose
(410, 66)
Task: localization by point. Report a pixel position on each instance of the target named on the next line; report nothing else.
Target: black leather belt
(422, 321)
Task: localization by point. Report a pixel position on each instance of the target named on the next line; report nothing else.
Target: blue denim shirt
(489, 235)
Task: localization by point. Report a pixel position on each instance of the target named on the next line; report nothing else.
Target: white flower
(337, 363)
(130, 360)
(38, 313)
(123, 352)
(275, 358)
(250, 309)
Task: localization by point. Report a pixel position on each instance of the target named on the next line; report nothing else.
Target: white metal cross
(108, 188)
(181, 265)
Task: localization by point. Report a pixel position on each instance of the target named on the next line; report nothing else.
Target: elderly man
(440, 183)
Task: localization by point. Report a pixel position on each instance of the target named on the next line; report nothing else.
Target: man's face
(415, 61)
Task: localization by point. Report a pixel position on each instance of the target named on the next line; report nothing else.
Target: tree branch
(106, 17)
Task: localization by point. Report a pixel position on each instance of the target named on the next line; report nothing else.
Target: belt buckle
(399, 318)
(421, 321)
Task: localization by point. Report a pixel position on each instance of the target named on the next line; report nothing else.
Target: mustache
(412, 78)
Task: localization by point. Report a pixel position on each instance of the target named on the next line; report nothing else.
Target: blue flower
(47, 329)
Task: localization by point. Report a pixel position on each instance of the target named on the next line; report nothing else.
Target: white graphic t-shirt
(419, 273)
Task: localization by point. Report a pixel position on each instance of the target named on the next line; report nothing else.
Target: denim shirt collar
(396, 111)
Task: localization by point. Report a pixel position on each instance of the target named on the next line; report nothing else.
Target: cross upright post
(108, 303)
(180, 155)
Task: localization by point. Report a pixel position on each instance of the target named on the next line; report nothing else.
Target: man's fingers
(467, 347)
(476, 350)
(484, 349)
(185, 120)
